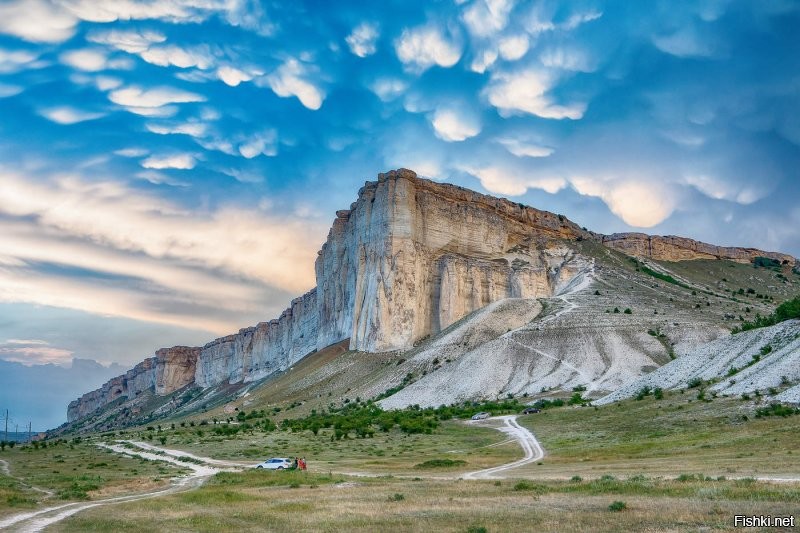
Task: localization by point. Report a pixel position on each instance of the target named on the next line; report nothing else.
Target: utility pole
(6, 425)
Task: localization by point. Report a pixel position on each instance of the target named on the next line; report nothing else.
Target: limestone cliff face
(409, 258)
(175, 368)
(671, 248)
(412, 256)
(140, 378)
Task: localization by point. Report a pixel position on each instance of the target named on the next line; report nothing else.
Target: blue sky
(169, 169)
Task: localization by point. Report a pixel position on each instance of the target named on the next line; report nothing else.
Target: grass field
(284, 501)
(675, 464)
(70, 471)
(675, 435)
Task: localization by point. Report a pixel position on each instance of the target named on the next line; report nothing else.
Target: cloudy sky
(169, 168)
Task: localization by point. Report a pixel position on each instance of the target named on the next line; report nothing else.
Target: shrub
(617, 506)
(628, 311)
(441, 463)
(658, 393)
(396, 497)
(694, 383)
(576, 479)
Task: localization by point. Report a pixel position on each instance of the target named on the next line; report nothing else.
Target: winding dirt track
(533, 450)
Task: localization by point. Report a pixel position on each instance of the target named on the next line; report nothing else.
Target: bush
(396, 497)
(628, 311)
(617, 506)
(441, 463)
(694, 383)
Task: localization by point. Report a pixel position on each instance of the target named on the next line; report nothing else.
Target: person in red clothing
(302, 463)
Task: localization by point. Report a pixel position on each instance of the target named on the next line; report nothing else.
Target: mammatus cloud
(636, 202)
(363, 38)
(484, 18)
(522, 148)
(291, 79)
(453, 125)
(388, 89)
(426, 46)
(147, 258)
(525, 91)
(152, 102)
(176, 161)
(131, 41)
(68, 115)
(509, 182)
(36, 20)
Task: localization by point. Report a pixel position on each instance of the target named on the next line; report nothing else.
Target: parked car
(531, 410)
(276, 463)
(481, 415)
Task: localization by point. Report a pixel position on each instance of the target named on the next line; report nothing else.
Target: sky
(169, 168)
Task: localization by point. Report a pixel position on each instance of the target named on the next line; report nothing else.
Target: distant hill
(38, 393)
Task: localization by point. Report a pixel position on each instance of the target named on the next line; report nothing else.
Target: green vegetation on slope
(786, 311)
(363, 418)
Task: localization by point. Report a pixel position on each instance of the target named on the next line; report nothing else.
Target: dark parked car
(531, 410)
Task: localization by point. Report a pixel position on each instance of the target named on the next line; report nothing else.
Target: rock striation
(671, 248)
(408, 259)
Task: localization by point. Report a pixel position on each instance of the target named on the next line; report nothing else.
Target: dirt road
(201, 470)
(533, 450)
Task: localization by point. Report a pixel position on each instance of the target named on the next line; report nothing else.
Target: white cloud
(132, 152)
(503, 181)
(513, 47)
(164, 56)
(36, 342)
(423, 47)
(686, 42)
(35, 355)
(363, 38)
(290, 79)
(176, 161)
(137, 98)
(12, 61)
(571, 59)
(153, 112)
(263, 143)
(107, 83)
(193, 129)
(484, 60)
(526, 91)
(487, 17)
(638, 203)
(36, 20)
(232, 76)
(388, 89)
(68, 114)
(525, 149)
(721, 189)
(88, 59)
(452, 126)
(131, 41)
(8, 90)
(186, 267)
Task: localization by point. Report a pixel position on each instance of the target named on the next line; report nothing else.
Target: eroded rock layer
(671, 248)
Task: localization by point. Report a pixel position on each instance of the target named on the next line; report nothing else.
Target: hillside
(437, 293)
(760, 361)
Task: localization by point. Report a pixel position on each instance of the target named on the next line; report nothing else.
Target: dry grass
(676, 435)
(431, 505)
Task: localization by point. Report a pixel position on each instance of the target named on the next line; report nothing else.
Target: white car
(276, 463)
(481, 416)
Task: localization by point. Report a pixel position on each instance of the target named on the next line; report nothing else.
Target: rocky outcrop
(175, 368)
(408, 259)
(140, 378)
(671, 248)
